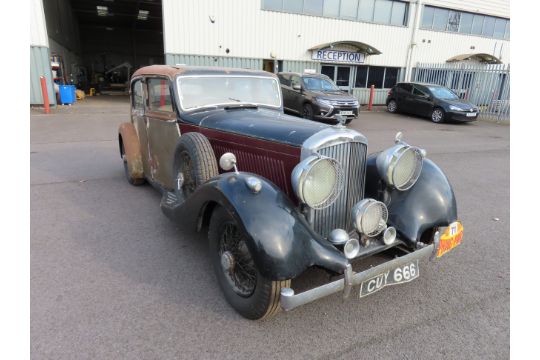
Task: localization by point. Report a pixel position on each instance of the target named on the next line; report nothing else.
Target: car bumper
(460, 116)
(321, 113)
(289, 300)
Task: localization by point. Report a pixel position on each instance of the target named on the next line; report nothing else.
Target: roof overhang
(361, 47)
(480, 57)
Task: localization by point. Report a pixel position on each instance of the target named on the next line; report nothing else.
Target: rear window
(284, 80)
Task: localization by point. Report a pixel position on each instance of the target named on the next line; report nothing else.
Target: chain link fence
(485, 85)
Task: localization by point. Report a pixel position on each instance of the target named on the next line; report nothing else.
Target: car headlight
(400, 165)
(369, 217)
(317, 181)
(455, 108)
(324, 102)
(356, 103)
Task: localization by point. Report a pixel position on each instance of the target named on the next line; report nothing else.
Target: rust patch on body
(132, 150)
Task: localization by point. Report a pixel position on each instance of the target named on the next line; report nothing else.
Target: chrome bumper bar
(290, 301)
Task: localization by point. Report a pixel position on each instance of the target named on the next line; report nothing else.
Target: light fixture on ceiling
(102, 10)
(143, 15)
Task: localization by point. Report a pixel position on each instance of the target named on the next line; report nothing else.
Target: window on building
(383, 11)
(331, 8)
(348, 9)
(390, 12)
(434, 18)
(365, 10)
(159, 95)
(376, 76)
(390, 77)
(507, 31)
(273, 5)
(489, 26)
(500, 26)
(313, 7)
(465, 23)
(293, 6)
(399, 11)
(361, 77)
(427, 17)
(478, 21)
(440, 19)
(453, 21)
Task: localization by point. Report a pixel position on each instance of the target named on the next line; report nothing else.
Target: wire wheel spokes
(240, 269)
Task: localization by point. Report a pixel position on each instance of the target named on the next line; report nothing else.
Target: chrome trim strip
(330, 136)
(289, 300)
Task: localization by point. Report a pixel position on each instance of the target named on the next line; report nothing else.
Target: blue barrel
(67, 94)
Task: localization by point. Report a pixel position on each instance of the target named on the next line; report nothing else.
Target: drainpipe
(415, 25)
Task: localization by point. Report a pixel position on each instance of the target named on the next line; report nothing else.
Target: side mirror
(297, 87)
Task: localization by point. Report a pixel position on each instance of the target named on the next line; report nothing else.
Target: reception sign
(338, 56)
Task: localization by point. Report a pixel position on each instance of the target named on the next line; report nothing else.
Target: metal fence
(485, 85)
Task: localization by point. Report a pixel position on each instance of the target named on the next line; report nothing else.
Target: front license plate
(471, 114)
(399, 275)
(347, 112)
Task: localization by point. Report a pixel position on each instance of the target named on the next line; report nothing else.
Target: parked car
(291, 194)
(316, 97)
(434, 101)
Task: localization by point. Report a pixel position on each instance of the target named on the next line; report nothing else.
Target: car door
(286, 91)
(138, 119)
(162, 129)
(421, 101)
(403, 96)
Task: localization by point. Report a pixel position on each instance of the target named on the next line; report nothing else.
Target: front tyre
(246, 290)
(307, 112)
(437, 115)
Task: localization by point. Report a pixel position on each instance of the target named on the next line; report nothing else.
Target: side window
(295, 80)
(137, 95)
(418, 92)
(405, 87)
(159, 96)
(283, 79)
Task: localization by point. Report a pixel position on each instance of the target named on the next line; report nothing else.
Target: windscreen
(442, 93)
(318, 84)
(203, 91)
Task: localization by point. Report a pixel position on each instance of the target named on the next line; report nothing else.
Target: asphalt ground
(113, 278)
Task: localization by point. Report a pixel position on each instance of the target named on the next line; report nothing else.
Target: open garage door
(98, 44)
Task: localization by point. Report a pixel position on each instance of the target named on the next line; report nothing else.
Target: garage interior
(96, 45)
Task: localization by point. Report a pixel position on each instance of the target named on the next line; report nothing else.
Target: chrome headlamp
(369, 217)
(400, 166)
(317, 181)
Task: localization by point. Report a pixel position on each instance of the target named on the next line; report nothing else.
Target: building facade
(358, 43)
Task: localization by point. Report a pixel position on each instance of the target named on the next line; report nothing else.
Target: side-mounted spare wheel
(247, 291)
(194, 163)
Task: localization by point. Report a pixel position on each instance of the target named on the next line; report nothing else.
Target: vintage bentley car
(291, 193)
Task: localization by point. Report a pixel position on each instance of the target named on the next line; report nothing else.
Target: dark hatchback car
(434, 101)
(316, 97)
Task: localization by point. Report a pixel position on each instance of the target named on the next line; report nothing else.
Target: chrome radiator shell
(348, 147)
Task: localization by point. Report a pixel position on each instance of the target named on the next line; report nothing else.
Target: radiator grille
(352, 157)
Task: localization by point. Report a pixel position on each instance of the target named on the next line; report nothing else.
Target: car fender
(430, 203)
(280, 240)
(129, 141)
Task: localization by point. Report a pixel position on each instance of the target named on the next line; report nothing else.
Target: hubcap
(437, 115)
(392, 106)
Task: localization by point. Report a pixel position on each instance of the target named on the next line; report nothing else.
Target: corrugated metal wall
(487, 7)
(300, 66)
(40, 66)
(204, 60)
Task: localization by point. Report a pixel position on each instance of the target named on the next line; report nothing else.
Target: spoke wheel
(437, 116)
(251, 294)
(187, 182)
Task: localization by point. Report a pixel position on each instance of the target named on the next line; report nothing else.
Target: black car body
(430, 100)
(291, 194)
(316, 97)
